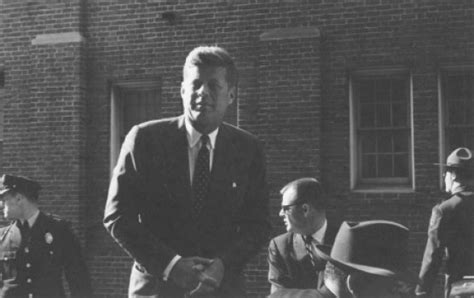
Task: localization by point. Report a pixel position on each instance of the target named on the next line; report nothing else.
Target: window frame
(378, 184)
(116, 107)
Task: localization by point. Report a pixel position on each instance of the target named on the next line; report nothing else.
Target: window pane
(400, 115)
(382, 90)
(368, 166)
(400, 165)
(139, 106)
(384, 143)
(458, 100)
(399, 90)
(365, 91)
(385, 166)
(400, 142)
(367, 115)
(383, 115)
(368, 144)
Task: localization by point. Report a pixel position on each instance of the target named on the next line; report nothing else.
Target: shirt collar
(194, 136)
(319, 234)
(459, 188)
(32, 219)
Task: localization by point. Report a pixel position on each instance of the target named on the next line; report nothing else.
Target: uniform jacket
(34, 267)
(452, 229)
(289, 263)
(148, 210)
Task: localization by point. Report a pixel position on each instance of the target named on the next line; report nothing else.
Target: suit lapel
(223, 167)
(178, 165)
(299, 247)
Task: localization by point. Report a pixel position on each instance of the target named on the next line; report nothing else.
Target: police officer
(36, 249)
(451, 228)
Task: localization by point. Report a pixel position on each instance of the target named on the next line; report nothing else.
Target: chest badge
(48, 238)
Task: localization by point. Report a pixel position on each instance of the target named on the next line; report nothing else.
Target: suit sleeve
(122, 213)
(434, 252)
(75, 268)
(253, 224)
(277, 275)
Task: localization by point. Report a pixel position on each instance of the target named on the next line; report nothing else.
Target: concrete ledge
(55, 38)
(290, 33)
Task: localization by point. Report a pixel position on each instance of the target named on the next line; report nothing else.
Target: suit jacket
(35, 265)
(452, 229)
(148, 210)
(290, 265)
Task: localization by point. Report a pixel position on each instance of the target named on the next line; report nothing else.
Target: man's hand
(213, 274)
(210, 278)
(184, 273)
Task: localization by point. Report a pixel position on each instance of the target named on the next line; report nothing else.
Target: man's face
(292, 213)
(448, 181)
(11, 206)
(206, 96)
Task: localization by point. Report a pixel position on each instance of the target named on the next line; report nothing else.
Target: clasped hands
(198, 275)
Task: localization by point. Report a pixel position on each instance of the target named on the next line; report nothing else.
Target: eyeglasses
(286, 208)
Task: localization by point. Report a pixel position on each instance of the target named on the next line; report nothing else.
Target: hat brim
(453, 166)
(4, 191)
(324, 251)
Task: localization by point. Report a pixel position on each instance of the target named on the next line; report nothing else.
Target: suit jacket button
(28, 265)
(28, 280)
(27, 250)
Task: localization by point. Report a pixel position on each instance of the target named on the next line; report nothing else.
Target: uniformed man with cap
(451, 228)
(36, 248)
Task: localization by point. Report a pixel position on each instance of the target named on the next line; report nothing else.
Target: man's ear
(453, 175)
(182, 89)
(350, 283)
(232, 95)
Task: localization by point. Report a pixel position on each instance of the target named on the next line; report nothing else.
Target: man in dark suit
(292, 260)
(369, 259)
(188, 197)
(451, 228)
(36, 249)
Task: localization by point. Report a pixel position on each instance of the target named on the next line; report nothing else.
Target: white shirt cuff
(170, 266)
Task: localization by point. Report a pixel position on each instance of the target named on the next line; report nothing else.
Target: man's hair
(213, 56)
(307, 190)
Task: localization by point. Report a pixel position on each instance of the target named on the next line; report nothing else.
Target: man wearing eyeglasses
(292, 260)
(451, 230)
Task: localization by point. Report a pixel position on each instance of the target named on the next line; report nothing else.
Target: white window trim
(353, 134)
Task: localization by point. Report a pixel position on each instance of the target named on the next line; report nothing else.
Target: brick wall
(293, 94)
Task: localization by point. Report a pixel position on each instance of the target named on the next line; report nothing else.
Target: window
(458, 109)
(380, 130)
(132, 102)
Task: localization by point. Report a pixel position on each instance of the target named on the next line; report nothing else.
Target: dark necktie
(308, 243)
(24, 230)
(201, 177)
